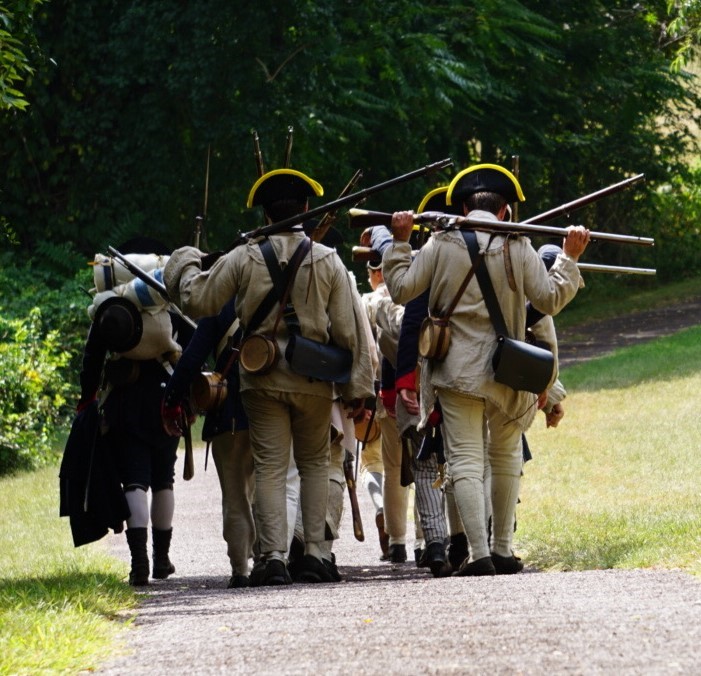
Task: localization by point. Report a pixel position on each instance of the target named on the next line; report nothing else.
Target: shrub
(34, 393)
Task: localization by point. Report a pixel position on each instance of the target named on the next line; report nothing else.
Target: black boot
(137, 539)
(162, 567)
(457, 550)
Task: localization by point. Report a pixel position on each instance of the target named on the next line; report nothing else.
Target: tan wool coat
(326, 303)
(442, 265)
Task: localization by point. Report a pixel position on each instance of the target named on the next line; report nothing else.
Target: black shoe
(312, 569)
(434, 558)
(507, 565)
(295, 557)
(457, 550)
(420, 558)
(479, 568)
(162, 565)
(332, 568)
(397, 553)
(238, 582)
(270, 573)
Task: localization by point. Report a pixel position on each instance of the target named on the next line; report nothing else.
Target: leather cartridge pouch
(318, 361)
(434, 338)
(522, 366)
(208, 391)
(258, 354)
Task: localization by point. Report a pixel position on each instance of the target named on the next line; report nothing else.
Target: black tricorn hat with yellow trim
(484, 178)
(435, 200)
(283, 184)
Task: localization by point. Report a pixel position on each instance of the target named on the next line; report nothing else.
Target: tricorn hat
(119, 324)
(436, 200)
(484, 178)
(283, 184)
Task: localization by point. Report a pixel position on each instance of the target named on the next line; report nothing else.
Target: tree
(132, 94)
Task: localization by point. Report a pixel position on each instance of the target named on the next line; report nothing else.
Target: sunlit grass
(58, 604)
(617, 484)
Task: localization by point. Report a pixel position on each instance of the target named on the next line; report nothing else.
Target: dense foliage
(130, 98)
(40, 349)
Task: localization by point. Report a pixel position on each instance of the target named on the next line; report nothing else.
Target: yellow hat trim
(496, 167)
(316, 187)
(428, 196)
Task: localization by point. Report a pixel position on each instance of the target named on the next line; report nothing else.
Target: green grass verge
(61, 608)
(616, 485)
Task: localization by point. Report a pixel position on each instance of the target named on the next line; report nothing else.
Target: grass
(616, 485)
(61, 608)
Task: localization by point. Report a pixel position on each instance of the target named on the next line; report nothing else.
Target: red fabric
(406, 382)
(389, 399)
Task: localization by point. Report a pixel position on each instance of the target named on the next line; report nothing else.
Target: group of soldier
(302, 353)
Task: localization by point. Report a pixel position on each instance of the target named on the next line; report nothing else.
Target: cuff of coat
(406, 382)
(173, 271)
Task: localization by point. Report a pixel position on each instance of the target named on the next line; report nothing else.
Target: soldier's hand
(355, 408)
(402, 225)
(556, 414)
(576, 241)
(410, 401)
(172, 419)
(365, 237)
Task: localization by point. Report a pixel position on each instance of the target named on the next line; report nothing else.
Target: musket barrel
(546, 230)
(566, 209)
(149, 281)
(288, 148)
(615, 269)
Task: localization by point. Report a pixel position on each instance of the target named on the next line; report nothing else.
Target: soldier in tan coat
(464, 381)
(282, 405)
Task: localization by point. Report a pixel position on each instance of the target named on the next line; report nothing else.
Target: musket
(330, 216)
(257, 153)
(365, 254)
(199, 220)
(288, 148)
(353, 198)
(149, 281)
(355, 507)
(451, 222)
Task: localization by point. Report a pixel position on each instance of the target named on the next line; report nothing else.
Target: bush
(34, 393)
(42, 332)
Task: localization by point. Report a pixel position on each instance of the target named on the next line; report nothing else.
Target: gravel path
(396, 619)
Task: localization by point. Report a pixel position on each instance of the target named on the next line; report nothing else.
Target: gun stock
(355, 507)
